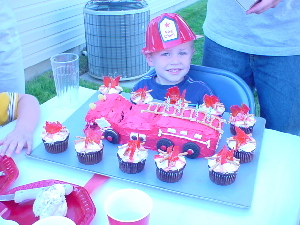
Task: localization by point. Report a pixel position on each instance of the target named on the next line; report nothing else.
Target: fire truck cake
(158, 125)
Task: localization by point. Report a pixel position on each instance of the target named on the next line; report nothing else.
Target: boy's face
(172, 64)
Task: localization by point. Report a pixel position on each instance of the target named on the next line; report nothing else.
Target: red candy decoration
(241, 137)
(224, 155)
(174, 94)
(53, 127)
(111, 82)
(133, 145)
(142, 92)
(92, 135)
(172, 155)
(210, 100)
(235, 109)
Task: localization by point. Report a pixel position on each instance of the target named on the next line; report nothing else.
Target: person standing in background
(12, 78)
(262, 46)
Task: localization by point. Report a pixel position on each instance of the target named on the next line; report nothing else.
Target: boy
(169, 49)
(26, 109)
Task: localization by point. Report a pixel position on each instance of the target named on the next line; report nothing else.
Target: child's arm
(22, 135)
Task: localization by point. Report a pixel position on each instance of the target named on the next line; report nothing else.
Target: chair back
(227, 86)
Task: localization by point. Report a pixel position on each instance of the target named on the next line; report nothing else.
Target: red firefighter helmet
(166, 31)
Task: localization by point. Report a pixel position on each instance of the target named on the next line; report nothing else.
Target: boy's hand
(263, 6)
(15, 142)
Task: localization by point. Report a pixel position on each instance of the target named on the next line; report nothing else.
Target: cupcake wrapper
(130, 167)
(171, 176)
(243, 156)
(221, 178)
(57, 147)
(247, 130)
(90, 158)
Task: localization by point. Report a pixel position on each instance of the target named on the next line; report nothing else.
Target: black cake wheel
(112, 136)
(164, 143)
(192, 149)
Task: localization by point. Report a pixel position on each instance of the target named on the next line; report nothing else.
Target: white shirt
(274, 32)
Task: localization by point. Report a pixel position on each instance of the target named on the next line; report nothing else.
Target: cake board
(195, 181)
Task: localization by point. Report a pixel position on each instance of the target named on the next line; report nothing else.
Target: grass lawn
(194, 15)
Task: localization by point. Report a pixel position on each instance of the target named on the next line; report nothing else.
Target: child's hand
(15, 142)
(263, 6)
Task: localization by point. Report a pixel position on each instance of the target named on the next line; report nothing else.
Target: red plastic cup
(128, 207)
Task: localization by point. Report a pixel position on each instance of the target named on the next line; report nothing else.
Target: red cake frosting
(159, 124)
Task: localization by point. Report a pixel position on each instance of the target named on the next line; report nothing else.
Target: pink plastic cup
(128, 207)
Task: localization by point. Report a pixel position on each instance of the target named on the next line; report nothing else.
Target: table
(276, 199)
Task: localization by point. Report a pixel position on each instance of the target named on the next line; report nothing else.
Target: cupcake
(132, 157)
(212, 105)
(111, 86)
(243, 145)
(55, 137)
(241, 118)
(170, 164)
(89, 149)
(223, 167)
(141, 96)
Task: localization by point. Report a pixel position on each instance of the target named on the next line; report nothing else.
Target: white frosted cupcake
(55, 137)
(223, 167)
(212, 105)
(241, 118)
(132, 157)
(111, 85)
(243, 144)
(170, 164)
(89, 149)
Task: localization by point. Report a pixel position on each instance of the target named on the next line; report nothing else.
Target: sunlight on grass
(43, 87)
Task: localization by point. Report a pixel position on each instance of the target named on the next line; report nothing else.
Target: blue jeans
(276, 79)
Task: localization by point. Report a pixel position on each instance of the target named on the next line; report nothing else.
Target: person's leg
(277, 80)
(217, 56)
